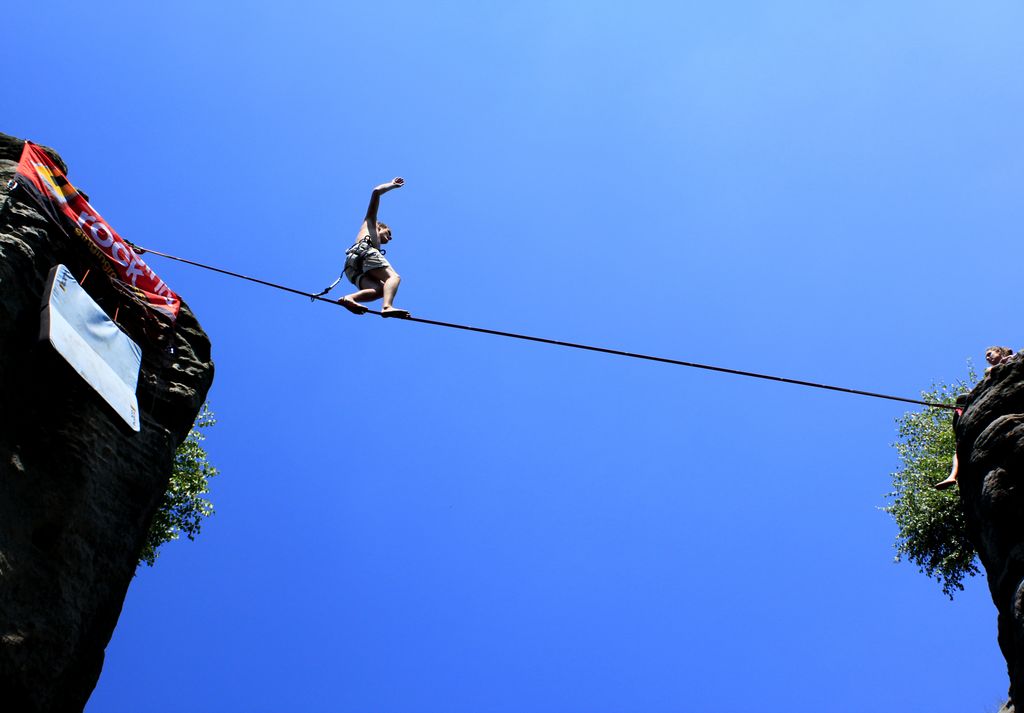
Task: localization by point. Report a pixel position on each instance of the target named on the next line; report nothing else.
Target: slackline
(558, 343)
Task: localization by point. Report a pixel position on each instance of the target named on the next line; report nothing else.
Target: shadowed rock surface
(990, 448)
(78, 488)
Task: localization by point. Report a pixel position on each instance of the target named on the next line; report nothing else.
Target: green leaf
(932, 528)
(184, 506)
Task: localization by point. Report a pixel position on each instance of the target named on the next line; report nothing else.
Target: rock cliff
(990, 448)
(78, 488)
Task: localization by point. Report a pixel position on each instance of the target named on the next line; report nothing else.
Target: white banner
(92, 343)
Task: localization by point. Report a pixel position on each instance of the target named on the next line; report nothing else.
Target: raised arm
(371, 210)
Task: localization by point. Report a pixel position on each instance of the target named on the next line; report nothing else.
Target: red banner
(50, 187)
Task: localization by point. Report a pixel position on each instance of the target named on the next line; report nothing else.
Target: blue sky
(418, 519)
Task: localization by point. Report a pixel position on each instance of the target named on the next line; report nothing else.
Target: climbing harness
(355, 256)
(572, 345)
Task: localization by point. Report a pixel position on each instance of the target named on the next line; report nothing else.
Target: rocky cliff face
(78, 488)
(990, 448)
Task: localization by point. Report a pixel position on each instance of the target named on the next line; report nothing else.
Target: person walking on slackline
(365, 264)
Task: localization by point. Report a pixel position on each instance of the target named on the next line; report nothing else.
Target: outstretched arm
(371, 210)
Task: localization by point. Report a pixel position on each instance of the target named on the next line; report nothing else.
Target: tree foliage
(932, 528)
(184, 506)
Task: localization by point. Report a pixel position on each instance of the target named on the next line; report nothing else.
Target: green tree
(184, 506)
(932, 529)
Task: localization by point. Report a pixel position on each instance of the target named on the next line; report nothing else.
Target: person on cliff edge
(994, 356)
(365, 264)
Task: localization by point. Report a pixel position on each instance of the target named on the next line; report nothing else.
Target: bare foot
(947, 483)
(352, 306)
(394, 312)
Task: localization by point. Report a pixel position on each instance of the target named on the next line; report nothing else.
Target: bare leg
(365, 294)
(950, 480)
(368, 294)
(389, 286)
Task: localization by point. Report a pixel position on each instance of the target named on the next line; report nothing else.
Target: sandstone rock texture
(78, 488)
(990, 449)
